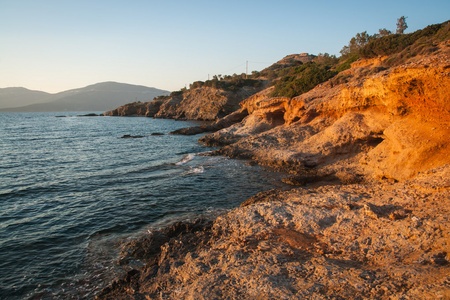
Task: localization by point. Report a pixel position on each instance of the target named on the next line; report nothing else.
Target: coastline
(375, 241)
(368, 216)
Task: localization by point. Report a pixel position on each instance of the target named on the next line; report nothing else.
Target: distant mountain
(97, 97)
(18, 96)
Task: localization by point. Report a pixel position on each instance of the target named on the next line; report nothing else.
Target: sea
(73, 191)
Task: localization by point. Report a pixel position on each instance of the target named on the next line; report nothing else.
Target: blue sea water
(72, 191)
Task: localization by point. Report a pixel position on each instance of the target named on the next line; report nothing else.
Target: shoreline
(353, 241)
(371, 218)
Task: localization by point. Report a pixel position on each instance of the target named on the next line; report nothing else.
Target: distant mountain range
(97, 97)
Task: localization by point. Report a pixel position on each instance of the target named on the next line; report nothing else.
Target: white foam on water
(186, 159)
(197, 170)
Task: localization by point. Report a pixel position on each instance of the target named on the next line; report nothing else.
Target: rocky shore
(204, 104)
(377, 241)
(368, 217)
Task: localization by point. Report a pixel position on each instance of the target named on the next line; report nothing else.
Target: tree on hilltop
(356, 43)
(383, 32)
(401, 25)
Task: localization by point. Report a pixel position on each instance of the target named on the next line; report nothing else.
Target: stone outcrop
(292, 59)
(380, 123)
(148, 109)
(204, 103)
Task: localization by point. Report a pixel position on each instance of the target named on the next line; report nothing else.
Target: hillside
(367, 150)
(370, 121)
(208, 100)
(212, 99)
(96, 97)
(17, 96)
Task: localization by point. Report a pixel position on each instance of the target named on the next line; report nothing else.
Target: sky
(57, 45)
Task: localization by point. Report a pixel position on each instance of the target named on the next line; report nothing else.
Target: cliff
(379, 123)
(368, 217)
(213, 99)
(202, 103)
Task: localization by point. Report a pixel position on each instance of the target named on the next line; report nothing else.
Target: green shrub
(302, 79)
(162, 97)
(176, 93)
(196, 84)
(396, 43)
(232, 84)
(346, 64)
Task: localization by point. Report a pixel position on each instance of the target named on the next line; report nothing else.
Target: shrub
(302, 79)
(176, 93)
(395, 43)
(162, 97)
(196, 84)
(346, 64)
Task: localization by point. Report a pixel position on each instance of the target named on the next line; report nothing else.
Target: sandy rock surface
(380, 241)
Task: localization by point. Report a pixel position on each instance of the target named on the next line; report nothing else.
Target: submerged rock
(127, 136)
(89, 115)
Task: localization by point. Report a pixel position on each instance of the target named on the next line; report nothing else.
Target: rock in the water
(89, 115)
(127, 136)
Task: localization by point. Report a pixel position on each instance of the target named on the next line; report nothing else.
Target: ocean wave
(149, 169)
(186, 159)
(190, 156)
(197, 170)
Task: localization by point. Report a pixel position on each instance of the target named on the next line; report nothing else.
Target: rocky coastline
(368, 216)
(381, 241)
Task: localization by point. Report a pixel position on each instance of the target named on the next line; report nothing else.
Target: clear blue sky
(55, 45)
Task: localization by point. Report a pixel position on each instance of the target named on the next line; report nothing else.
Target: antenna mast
(246, 69)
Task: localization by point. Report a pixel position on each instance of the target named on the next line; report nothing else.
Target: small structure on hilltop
(290, 59)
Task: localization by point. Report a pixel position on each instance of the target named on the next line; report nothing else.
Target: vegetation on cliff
(400, 45)
(378, 112)
(301, 79)
(292, 76)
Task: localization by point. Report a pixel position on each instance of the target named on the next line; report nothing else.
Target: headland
(366, 148)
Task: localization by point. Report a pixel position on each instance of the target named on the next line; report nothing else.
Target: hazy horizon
(54, 46)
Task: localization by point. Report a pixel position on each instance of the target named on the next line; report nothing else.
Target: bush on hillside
(302, 79)
(396, 43)
(232, 84)
(347, 62)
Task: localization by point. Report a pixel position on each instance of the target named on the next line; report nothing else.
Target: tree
(383, 32)
(326, 59)
(356, 43)
(401, 25)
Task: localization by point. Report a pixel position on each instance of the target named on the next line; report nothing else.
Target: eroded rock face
(384, 123)
(380, 241)
(148, 109)
(204, 103)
